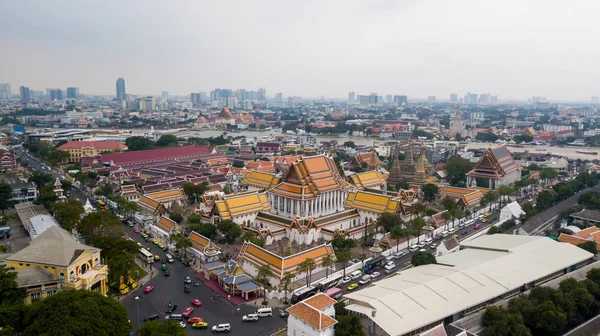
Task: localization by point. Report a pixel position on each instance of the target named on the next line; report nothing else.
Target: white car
(346, 280)
(399, 254)
(375, 275)
(182, 324)
(451, 230)
(391, 265)
(250, 317)
(188, 280)
(222, 327)
(421, 244)
(364, 281)
(413, 248)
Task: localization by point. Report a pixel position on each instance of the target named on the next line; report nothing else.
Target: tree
(502, 192)
(238, 164)
(6, 193)
(130, 208)
(544, 200)
(486, 137)
(339, 308)
(306, 266)
(348, 326)
(68, 214)
(286, 281)
(429, 191)
(194, 191)
(388, 220)
(46, 197)
(137, 143)
(457, 168)
(177, 217)
(167, 140)
(181, 242)
(344, 257)
(456, 213)
(311, 265)
(194, 219)
(10, 292)
(423, 258)
(264, 274)
(499, 322)
(208, 230)
(326, 262)
(162, 328)
(230, 230)
(40, 179)
(349, 144)
(416, 226)
(104, 190)
(589, 246)
(397, 233)
(548, 174)
(97, 224)
(402, 184)
(79, 312)
(448, 203)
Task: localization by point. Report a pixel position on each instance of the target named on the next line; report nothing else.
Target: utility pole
(137, 299)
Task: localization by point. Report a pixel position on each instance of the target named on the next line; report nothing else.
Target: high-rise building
(148, 104)
(247, 105)
(431, 99)
(195, 98)
(401, 100)
(453, 97)
(5, 91)
(231, 102)
(494, 99)
(56, 94)
(72, 92)
(352, 96)
(24, 93)
(121, 89)
(373, 98)
(164, 95)
(484, 98)
(279, 96)
(262, 94)
(389, 98)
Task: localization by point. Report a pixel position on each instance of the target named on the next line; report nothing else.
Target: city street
(171, 288)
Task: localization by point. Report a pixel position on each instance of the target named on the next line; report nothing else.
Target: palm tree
(397, 233)
(303, 268)
(286, 280)
(344, 256)
(264, 274)
(310, 266)
(327, 261)
(417, 225)
(446, 215)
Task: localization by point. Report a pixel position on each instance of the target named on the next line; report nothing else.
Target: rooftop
(93, 144)
(159, 154)
(487, 267)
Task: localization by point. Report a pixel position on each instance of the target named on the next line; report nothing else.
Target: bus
(334, 293)
(146, 256)
(329, 283)
(101, 203)
(374, 264)
(304, 294)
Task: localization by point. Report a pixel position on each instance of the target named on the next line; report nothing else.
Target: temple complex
(410, 170)
(496, 167)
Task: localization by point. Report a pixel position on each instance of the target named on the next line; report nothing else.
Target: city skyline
(515, 50)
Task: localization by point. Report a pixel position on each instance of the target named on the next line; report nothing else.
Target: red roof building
(184, 153)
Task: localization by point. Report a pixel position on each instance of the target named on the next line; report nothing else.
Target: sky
(309, 48)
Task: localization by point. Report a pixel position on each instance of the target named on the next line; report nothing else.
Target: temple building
(372, 205)
(257, 180)
(371, 160)
(496, 167)
(410, 170)
(242, 209)
(370, 180)
(457, 126)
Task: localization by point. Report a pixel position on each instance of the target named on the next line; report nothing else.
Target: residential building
(556, 128)
(485, 270)
(313, 316)
(24, 93)
(79, 149)
(5, 92)
(268, 148)
(453, 97)
(23, 192)
(8, 161)
(72, 92)
(56, 94)
(121, 93)
(71, 266)
(497, 166)
(262, 94)
(586, 217)
(401, 100)
(195, 98)
(352, 96)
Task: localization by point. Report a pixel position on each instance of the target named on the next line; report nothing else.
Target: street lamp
(137, 299)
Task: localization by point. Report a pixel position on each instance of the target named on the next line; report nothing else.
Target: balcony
(87, 279)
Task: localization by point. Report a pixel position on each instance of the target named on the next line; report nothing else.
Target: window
(96, 262)
(35, 297)
(61, 276)
(72, 274)
(50, 292)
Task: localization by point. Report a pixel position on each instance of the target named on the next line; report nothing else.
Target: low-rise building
(313, 316)
(586, 217)
(79, 149)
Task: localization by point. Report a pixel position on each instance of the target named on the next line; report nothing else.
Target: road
(171, 289)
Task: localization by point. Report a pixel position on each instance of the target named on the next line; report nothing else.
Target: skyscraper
(389, 98)
(453, 97)
(401, 100)
(24, 92)
(262, 94)
(165, 95)
(352, 96)
(195, 98)
(279, 96)
(431, 99)
(56, 94)
(72, 92)
(121, 89)
(5, 91)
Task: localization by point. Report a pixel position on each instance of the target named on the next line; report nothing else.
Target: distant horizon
(514, 49)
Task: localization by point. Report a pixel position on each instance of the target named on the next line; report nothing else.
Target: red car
(148, 289)
(196, 302)
(195, 319)
(186, 313)
(136, 230)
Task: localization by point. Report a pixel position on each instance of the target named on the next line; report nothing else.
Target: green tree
(79, 312)
(349, 144)
(448, 203)
(416, 226)
(286, 281)
(326, 262)
(397, 233)
(104, 190)
(40, 179)
(194, 191)
(429, 191)
(548, 174)
(264, 275)
(177, 217)
(446, 216)
(343, 257)
(388, 220)
(68, 213)
(348, 326)
(494, 230)
(502, 192)
(137, 143)
(422, 258)
(46, 197)
(208, 230)
(10, 292)
(130, 208)
(167, 140)
(589, 246)
(402, 184)
(544, 200)
(97, 224)
(6, 193)
(194, 219)
(238, 164)
(457, 168)
(181, 242)
(162, 328)
(499, 322)
(230, 230)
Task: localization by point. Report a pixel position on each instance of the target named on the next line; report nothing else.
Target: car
(391, 264)
(413, 248)
(197, 303)
(352, 287)
(167, 273)
(200, 325)
(147, 248)
(171, 309)
(461, 225)
(421, 244)
(456, 235)
(186, 289)
(182, 324)
(144, 235)
(151, 317)
(154, 241)
(140, 245)
(160, 245)
(250, 318)
(433, 246)
(186, 313)
(150, 235)
(195, 319)
(484, 220)
(477, 226)
(399, 254)
(346, 280)
(363, 282)
(375, 275)
(464, 232)
(221, 327)
(148, 289)
(136, 230)
(131, 224)
(166, 249)
(156, 257)
(187, 280)
(451, 230)
(487, 214)
(283, 313)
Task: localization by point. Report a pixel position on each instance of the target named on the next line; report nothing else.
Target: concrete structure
(78, 149)
(55, 261)
(314, 316)
(511, 211)
(486, 270)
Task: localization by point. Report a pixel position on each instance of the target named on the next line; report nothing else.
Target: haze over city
(514, 49)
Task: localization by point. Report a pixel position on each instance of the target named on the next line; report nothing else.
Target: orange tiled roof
(586, 232)
(199, 242)
(320, 301)
(166, 224)
(314, 317)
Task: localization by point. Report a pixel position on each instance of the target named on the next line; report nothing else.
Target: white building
(314, 316)
(556, 128)
(511, 211)
(485, 270)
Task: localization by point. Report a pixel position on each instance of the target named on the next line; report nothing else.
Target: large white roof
(487, 267)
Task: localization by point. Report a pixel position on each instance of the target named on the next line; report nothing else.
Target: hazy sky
(513, 48)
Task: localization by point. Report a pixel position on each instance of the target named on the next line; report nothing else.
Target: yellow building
(55, 261)
(79, 149)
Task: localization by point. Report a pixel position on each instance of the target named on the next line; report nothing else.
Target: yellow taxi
(156, 257)
(200, 325)
(484, 220)
(352, 287)
(147, 248)
(160, 245)
(487, 214)
(154, 241)
(144, 235)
